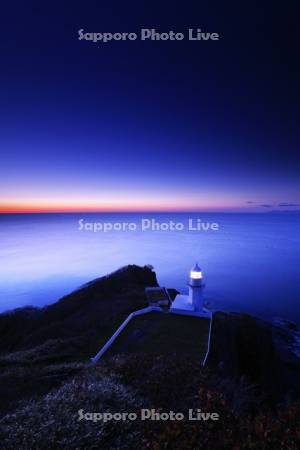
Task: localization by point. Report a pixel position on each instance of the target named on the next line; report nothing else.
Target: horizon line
(147, 211)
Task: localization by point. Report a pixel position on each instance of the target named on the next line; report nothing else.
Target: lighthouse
(191, 304)
(196, 288)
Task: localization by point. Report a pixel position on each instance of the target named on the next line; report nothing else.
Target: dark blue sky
(149, 125)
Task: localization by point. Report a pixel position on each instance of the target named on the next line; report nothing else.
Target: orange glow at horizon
(72, 205)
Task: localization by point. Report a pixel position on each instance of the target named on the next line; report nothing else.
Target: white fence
(145, 311)
(121, 328)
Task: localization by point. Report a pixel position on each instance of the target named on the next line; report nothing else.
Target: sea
(250, 262)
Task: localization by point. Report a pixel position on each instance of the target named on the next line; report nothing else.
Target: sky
(149, 125)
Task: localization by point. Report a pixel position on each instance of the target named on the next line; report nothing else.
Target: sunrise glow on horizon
(138, 200)
(113, 206)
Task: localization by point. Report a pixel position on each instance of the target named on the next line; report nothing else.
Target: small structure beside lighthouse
(191, 304)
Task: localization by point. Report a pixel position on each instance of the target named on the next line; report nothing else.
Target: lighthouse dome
(196, 268)
(196, 273)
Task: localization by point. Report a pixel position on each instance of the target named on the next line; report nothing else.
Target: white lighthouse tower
(196, 288)
(191, 304)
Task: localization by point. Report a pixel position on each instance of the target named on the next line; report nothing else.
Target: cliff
(82, 319)
(264, 354)
(251, 378)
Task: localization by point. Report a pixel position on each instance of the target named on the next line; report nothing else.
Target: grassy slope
(157, 333)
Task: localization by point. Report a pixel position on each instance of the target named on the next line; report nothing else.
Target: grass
(157, 333)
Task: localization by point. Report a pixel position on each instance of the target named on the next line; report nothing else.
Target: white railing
(145, 311)
(209, 341)
(121, 328)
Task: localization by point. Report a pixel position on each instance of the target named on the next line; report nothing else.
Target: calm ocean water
(252, 263)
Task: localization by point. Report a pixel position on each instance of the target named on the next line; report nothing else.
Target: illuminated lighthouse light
(195, 275)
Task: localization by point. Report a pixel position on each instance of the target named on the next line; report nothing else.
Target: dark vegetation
(251, 380)
(157, 333)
